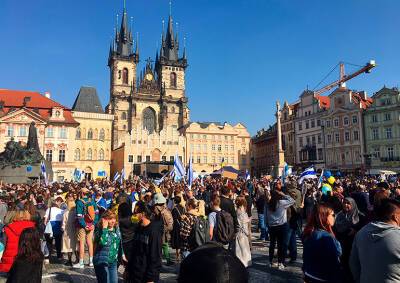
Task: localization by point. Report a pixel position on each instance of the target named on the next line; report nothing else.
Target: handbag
(49, 229)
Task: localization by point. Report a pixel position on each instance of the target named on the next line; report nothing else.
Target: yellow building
(92, 138)
(212, 144)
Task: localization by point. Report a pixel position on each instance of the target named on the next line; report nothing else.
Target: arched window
(89, 154)
(77, 154)
(90, 134)
(149, 120)
(96, 134)
(172, 80)
(101, 154)
(125, 76)
(78, 133)
(102, 135)
(94, 154)
(123, 115)
(173, 109)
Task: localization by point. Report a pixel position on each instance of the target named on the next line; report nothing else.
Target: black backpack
(225, 230)
(200, 233)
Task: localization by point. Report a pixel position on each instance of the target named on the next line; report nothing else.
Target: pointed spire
(124, 36)
(137, 44)
(184, 48)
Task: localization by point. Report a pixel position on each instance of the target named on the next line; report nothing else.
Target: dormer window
(58, 113)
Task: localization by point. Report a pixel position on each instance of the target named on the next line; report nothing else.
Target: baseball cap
(159, 198)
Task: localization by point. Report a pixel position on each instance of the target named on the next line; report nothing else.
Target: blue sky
(243, 54)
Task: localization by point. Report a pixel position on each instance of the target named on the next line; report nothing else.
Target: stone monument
(281, 154)
(20, 164)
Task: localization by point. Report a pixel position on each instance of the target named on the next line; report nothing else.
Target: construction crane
(344, 78)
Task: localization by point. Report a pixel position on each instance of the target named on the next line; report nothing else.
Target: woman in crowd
(278, 225)
(177, 212)
(69, 231)
(28, 263)
(21, 221)
(241, 244)
(321, 250)
(348, 222)
(107, 242)
(188, 220)
(127, 228)
(54, 216)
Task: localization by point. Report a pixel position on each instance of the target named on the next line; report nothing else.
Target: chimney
(26, 100)
(363, 94)
(47, 94)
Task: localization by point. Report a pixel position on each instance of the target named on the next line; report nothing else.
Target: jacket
(103, 245)
(13, 232)
(81, 212)
(228, 206)
(321, 257)
(375, 256)
(23, 271)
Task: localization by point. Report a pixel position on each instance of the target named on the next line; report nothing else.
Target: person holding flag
(190, 173)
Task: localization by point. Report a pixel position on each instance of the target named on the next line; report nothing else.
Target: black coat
(228, 206)
(23, 271)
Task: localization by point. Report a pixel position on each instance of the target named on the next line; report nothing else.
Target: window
(231, 138)
(123, 115)
(204, 137)
(213, 147)
(226, 138)
(172, 80)
(337, 137)
(374, 118)
(63, 133)
(377, 152)
(78, 133)
(301, 141)
(355, 135)
(232, 147)
(375, 134)
(300, 126)
(90, 134)
(388, 133)
(346, 120)
(387, 117)
(355, 119)
(50, 132)
(139, 158)
(312, 123)
(102, 135)
(390, 152)
(149, 120)
(49, 155)
(22, 131)
(205, 159)
(171, 158)
(204, 147)
(320, 155)
(77, 154)
(318, 122)
(61, 155)
(313, 140)
(307, 125)
(101, 155)
(319, 138)
(147, 158)
(226, 147)
(336, 122)
(198, 159)
(213, 159)
(125, 76)
(329, 138)
(219, 147)
(164, 158)
(89, 155)
(346, 136)
(328, 123)
(308, 140)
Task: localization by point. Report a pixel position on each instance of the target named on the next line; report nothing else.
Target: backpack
(225, 230)
(90, 212)
(200, 233)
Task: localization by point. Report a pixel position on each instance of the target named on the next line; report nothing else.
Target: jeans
(291, 243)
(106, 273)
(262, 226)
(278, 234)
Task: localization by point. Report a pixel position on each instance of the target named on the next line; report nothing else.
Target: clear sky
(243, 54)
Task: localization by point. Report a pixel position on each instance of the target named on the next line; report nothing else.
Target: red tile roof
(359, 98)
(324, 101)
(14, 99)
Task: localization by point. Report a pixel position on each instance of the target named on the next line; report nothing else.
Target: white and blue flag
(77, 175)
(190, 173)
(179, 169)
(122, 176)
(116, 176)
(43, 171)
(309, 173)
(320, 179)
(247, 177)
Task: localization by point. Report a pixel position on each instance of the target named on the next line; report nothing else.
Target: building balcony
(389, 159)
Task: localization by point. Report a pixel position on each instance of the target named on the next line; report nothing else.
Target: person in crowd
(212, 217)
(228, 205)
(126, 227)
(375, 255)
(242, 246)
(361, 197)
(177, 212)
(294, 222)
(347, 223)
(87, 215)
(12, 210)
(28, 263)
(107, 242)
(3, 209)
(188, 220)
(278, 226)
(68, 227)
(212, 263)
(144, 264)
(22, 220)
(54, 216)
(321, 249)
(260, 200)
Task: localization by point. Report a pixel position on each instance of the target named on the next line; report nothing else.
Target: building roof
(324, 101)
(87, 100)
(13, 100)
(362, 98)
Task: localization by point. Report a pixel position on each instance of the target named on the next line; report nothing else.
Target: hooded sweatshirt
(375, 256)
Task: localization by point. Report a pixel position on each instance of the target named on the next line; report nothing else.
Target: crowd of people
(349, 234)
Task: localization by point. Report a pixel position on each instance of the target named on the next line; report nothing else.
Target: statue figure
(32, 138)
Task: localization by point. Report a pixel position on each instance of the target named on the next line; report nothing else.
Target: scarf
(345, 220)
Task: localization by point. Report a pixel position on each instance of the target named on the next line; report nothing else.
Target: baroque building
(382, 130)
(288, 114)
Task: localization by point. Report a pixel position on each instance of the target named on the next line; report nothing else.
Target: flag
(320, 179)
(223, 163)
(190, 173)
(309, 173)
(77, 175)
(247, 175)
(159, 181)
(116, 176)
(122, 176)
(43, 171)
(179, 169)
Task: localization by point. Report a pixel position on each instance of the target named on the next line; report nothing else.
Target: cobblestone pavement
(259, 271)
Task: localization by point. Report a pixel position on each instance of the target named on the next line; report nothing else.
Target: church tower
(122, 61)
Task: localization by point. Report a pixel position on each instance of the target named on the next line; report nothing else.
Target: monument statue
(16, 155)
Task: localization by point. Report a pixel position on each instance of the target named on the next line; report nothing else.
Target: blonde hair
(70, 204)
(22, 215)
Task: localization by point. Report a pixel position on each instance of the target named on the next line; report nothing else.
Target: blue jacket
(321, 256)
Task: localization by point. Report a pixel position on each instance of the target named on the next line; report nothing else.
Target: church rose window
(149, 120)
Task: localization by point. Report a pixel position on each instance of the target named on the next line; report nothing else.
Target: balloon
(331, 180)
(326, 188)
(327, 174)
